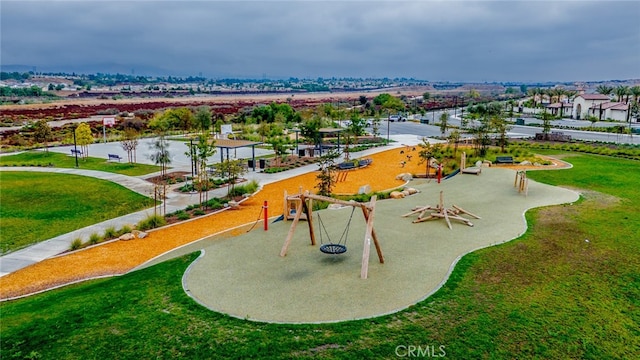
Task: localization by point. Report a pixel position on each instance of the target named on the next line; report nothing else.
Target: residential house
(600, 106)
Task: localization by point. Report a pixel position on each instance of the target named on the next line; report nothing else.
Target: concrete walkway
(175, 201)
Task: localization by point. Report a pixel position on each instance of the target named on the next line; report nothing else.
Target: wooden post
(285, 211)
(365, 212)
(308, 210)
(292, 229)
(364, 270)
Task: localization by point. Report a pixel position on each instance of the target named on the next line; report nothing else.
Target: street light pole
(388, 115)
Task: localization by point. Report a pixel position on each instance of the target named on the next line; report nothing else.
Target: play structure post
(439, 173)
(266, 217)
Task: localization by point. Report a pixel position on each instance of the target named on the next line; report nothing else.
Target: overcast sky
(428, 40)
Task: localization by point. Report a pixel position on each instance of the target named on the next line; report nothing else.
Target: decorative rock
(404, 177)
(396, 195)
(526, 162)
(127, 236)
(139, 234)
(365, 189)
(411, 191)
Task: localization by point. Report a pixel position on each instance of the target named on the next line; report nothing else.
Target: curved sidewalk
(24, 257)
(175, 201)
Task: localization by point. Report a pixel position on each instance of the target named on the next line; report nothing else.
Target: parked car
(398, 118)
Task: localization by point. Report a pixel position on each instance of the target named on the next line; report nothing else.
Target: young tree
(130, 143)
(500, 126)
(232, 170)
(326, 165)
(481, 136)
(546, 124)
(357, 125)
(453, 138)
(203, 149)
(444, 122)
(425, 154)
(42, 133)
(84, 138)
(280, 145)
(160, 155)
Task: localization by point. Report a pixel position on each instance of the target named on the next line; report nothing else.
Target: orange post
(266, 216)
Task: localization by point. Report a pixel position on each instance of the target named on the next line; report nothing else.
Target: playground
(247, 278)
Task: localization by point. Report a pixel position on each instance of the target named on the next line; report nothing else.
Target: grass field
(39, 206)
(41, 158)
(568, 288)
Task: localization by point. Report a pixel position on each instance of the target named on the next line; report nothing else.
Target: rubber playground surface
(245, 277)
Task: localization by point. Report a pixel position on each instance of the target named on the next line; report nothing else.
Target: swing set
(304, 206)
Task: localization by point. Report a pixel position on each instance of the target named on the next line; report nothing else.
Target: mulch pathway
(119, 257)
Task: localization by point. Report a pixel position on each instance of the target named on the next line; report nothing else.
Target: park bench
(346, 165)
(504, 160)
(114, 157)
(76, 152)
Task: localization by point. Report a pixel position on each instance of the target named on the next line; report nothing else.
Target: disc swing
(335, 248)
(303, 205)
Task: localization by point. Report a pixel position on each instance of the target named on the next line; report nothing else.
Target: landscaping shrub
(76, 244)
(110, 232)
(183, 215)
(124, 230)
(151, 222)
(248, 188)
(94, 238)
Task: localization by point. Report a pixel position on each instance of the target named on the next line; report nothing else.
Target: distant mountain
(103, 68)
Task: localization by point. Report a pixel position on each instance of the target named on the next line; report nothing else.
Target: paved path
(22, 258)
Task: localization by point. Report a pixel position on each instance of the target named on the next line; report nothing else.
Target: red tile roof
(594, 96)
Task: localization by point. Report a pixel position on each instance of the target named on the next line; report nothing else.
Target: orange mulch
(118, 257)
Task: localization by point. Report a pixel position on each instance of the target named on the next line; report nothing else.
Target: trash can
(519, 121)
(263, 163)
(250, 163)
(301, 152)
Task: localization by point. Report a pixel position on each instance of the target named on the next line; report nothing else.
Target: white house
(600, 106)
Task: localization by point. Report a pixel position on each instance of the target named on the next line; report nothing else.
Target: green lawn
(549, 295)
(39, 206)
(41, 158)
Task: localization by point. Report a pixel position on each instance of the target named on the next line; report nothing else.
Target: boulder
(139, 234)
(396, 195)
(404, 177)
(411, 191)
(127, 236)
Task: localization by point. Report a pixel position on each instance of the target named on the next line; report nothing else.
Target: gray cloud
(431, 40)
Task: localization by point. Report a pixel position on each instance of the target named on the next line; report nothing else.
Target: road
(516, 131)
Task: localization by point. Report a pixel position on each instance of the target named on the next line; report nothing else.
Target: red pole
(439, 173)
(266, 217)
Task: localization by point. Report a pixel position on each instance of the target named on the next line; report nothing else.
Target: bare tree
(130, 143)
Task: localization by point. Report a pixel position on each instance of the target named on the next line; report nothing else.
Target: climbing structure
(440, 212)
